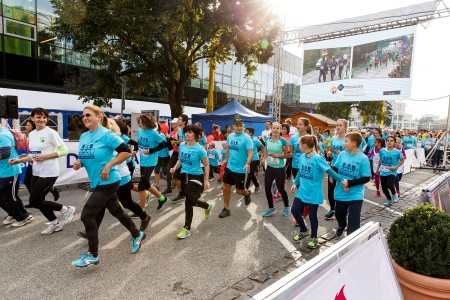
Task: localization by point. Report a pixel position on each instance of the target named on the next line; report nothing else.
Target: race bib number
(35, 153)
(272, 160)
(211, 156)
(410, 145)
(143, 149)
(384, 168)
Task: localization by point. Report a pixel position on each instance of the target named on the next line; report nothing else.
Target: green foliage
(156, 44)
(335, 110)
(371, 111)
(420, 241)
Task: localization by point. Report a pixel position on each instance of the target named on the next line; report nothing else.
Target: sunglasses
(86, 115)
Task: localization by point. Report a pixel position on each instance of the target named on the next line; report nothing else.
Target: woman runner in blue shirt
(193, 181)
(97, 153)
(308, 182)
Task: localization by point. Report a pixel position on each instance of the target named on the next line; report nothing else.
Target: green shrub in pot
(419, 241)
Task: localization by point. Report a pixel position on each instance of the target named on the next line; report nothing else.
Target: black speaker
(12, 107)
(3, 112)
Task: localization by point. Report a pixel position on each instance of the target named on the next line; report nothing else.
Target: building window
(21, 10)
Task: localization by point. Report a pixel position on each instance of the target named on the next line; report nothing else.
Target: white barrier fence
(357, 267)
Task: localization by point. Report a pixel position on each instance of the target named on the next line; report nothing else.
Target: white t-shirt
(292, 130)
(45, 141)
(123, 169)
(265, 134)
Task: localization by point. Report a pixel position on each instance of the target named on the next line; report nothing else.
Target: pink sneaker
(295, 222)
(398, 193)
(275, 199)
(378, 194)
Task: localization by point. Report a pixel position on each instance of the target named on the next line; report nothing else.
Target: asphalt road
(219, 252)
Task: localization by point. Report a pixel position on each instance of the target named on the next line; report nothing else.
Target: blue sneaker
(395, 198)
(329, 215)
(86, 260)
(137, 242)
(269, 212)
(286, 211)
(387, 202)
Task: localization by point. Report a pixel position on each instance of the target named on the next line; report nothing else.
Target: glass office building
(32, 58)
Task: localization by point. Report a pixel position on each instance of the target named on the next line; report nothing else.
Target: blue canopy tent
(225, 115)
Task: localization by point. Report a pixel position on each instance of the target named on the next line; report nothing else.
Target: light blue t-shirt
(213, 157)
(238, 145)
(370, 142)
(336, 144)
(95, 150)
(323, 148)
(351, 167)
(181, 134)
(223, 153)
(295, 143)
(325, 137)
(277, 148)
(148, 139)
(428, 143)
(389, 159)
(203, 140)
(190, 157)
(165, 151)
(385, 135)
(409, 142)
(256, 144)
(363, 145)
(7, 140)
(310, 178)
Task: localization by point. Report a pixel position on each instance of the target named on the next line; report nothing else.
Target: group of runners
(282, 152)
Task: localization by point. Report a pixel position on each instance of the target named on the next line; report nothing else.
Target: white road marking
(387, 208)
(408, 184)
(418, 172)
(284, 241)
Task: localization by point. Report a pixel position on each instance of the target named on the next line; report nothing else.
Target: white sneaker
(8, 220)
(52, 228)
(19, 223)
(29, 219)
(68, 215)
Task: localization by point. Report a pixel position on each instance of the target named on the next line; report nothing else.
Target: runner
(174, 157)
(150, 142)
(45, 147)
(374, 154)
(398, 178)
(275, 153)
(239, 157)
(354, 167)
(163, 159)
(124, 134)
(265, 134)
(9, 182)
(213, 159)
(310, 178)
(390, 159)
(97, 153)
(182, 122)
(257, 147)
(223, 165)
(285, 133)
(193, 180)
(337, 146)
(303, 127)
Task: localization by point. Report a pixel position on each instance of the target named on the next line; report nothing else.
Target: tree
(157, 44)
(371, 111)
(335, 110)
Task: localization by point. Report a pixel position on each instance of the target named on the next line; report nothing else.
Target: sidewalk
(261, 279)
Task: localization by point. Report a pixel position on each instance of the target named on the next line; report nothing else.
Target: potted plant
(419, 242)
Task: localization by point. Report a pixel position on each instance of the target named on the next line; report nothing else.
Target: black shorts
(232, 178)
(162, 163)
(144, 183)
(177, 174)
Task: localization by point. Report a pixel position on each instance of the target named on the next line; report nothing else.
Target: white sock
(64, 209)
(54, 222)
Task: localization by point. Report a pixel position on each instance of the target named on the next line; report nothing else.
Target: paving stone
(260, 277)
(243, 297)
(244, 285)
(270, 270)
(281, 274)
(282, 263)
(322, 241)
(268, 283)
(229, 294)
(252, 293)
(329, 235)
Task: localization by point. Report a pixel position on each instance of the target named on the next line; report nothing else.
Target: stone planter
(419, 287)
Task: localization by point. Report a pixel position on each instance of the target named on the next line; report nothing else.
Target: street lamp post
(123, 83)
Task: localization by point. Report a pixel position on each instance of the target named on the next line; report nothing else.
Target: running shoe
(378, 194)
(161, 202)
(184, 233)
(68, 215)
(208, 212)
(82, 234)
(225, 213)
(211, 180)
(55, 192)
(387, 202)
(329, 215)
(269, 212)
(295, 222)
(301, 236)
(286, 211)
(274, 199)
(27, 220)
(313, 243)
(137, 242)
(8, 220)
(147, 196)
(178, 198)
(144, 223)
(398, 194)
(86, 260)
(247, 198)
(257, 189)
(167, 191)
(395, 198)
(52, 228)
(340, 231)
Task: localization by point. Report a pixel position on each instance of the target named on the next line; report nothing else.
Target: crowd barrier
(438, 193)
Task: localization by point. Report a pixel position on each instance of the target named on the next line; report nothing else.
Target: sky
(431, 66)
